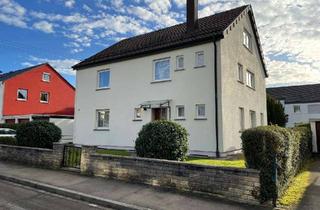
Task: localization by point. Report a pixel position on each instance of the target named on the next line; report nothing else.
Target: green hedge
(269, 147)
(8, 140)
(162, 139)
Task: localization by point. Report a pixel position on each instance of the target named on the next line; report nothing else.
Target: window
(103, 79)
(46, 77)
(253, 119)
(296, 108)
(240, 73)
(200, 111)
(44, 97)
(241, 114)
(138, 113)
(199, 59)
(247, 40)
(102, 118)
(261, 119)
(22, 94)
(314, 109)
(162, 70)
(250, 79)
(180, 62)
(180, 112)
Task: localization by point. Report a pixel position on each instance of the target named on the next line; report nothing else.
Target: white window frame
(197, 64)
(154, 70)
(250, 79)
(253, 119)
(21, 99)
(240, 75)
(177, 63)
(177, 112)
(296, 111)
(136, 117)
(98, 79)
(247, 39)
(48, 97)
(97, 119)
(197, 112)
(46, 74)
(242, 119)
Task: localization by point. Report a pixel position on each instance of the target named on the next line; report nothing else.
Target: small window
(199, 59)
(103, 79)
(296, 109)
(22, 94)
(261, 119)
(250, 80)
(102, 118)
(247, 40)
(44, 97)
(200, 111)
(46, 77)
(161, 70)
(240, 73)
(253, 119)
(241, 115)
(180, 62)
(180, 113)
(138, 113)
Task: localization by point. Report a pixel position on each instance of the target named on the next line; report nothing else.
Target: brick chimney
(192, 15)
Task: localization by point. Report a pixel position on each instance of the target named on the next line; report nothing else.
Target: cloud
(63, 66)
(12, 13)
(44, 26)
(69, 3)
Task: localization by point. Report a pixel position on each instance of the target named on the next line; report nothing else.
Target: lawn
(238, 162)
(113, 152)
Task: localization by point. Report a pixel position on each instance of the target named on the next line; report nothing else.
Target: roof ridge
(291, 86)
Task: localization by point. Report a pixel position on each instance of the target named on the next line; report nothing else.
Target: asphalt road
(16, 197)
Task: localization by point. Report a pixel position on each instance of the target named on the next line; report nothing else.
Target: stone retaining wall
(232, 183)
(39, 157)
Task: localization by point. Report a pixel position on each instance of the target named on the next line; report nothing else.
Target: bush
(163, 140)
(269, 147)
(38, 134)
(275, 111)
(8, 140)
(11, 126)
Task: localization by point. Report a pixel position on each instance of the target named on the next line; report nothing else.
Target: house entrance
(159, 114)
(318, 136)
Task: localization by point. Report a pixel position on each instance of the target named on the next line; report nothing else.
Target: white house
(302, 105)
(207, 74)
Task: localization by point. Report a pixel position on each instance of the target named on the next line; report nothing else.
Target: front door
(318, 135)
(159, 114)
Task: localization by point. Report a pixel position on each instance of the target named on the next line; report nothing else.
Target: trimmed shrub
(162, 140)
(8, 140)
(271, 147)
(40, 134)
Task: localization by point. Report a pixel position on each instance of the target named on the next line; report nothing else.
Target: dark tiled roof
(296, 94)
(167, 38)
(11, 74)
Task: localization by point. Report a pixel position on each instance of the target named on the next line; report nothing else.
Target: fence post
(275, 180)
(85, 158)
(57, 148)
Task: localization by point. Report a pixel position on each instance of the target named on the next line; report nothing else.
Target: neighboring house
(302, 105)
(207, 74)
(37, 93)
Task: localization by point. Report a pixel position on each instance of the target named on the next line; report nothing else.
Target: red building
(37, 92)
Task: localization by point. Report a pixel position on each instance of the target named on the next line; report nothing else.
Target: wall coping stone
(28, 148)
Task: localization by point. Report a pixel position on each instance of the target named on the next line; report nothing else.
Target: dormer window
(247, 40)
(46, 77)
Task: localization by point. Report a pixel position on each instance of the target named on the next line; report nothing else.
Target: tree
(276, 114)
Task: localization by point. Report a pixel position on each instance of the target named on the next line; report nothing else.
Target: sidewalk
(135, 194)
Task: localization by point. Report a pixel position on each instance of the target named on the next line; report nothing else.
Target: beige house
(207, 74)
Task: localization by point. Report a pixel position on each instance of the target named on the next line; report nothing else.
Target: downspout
(216, 97)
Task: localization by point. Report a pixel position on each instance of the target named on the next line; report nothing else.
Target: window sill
(180, 69)
(160, 81)
(250, 50)
(98, 89)
(251, 88)
(22, 100)
(180, 119)
(45, 81)
(137, 120)
(198, 67)
(101, 129)
(44, 102)
(200, 118)
(241, 82)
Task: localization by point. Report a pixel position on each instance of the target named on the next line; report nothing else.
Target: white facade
(132, 84)
(66, 125)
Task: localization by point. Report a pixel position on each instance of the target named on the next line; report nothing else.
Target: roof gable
(210, 28)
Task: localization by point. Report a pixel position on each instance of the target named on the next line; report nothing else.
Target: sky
(64, 32)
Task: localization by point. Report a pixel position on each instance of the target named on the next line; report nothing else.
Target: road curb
(73, 194)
